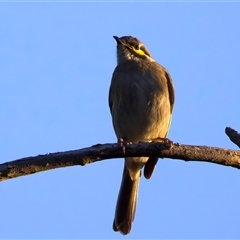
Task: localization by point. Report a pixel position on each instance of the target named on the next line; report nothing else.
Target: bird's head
(130, 48)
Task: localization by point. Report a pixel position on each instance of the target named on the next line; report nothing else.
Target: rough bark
(99, 152)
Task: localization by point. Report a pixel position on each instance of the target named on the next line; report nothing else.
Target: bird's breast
(141, 108)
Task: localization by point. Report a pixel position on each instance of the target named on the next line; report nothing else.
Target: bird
(141, 100)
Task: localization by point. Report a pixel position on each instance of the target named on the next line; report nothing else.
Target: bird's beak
(120, 42)
(117, 40)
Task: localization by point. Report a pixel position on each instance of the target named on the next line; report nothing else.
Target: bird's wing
(170, 89)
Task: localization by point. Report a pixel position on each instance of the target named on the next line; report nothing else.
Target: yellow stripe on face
(139, 51)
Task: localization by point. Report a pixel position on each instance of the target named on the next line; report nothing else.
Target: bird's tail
(126, 203)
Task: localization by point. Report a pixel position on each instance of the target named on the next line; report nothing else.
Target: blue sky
(56, 65)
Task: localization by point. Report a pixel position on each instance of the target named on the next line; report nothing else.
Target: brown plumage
(141, 99)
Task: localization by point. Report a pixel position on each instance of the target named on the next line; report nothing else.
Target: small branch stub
(233, 135)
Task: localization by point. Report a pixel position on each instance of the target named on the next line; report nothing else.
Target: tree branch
(233, 135)
(30, 165)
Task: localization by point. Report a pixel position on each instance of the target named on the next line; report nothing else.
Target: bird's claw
(123, 144)
(167, 142)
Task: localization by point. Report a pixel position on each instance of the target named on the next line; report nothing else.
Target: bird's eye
(137, 47)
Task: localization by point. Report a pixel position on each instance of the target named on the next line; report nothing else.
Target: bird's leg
(123, 144)
(167, 142)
